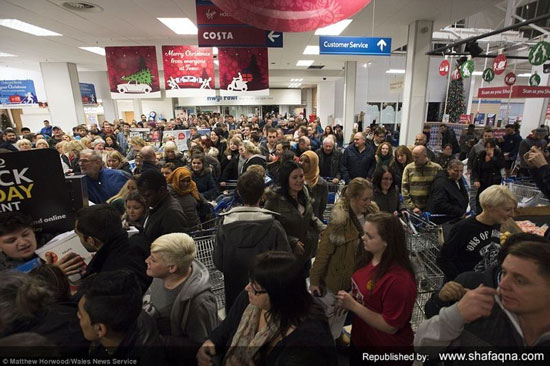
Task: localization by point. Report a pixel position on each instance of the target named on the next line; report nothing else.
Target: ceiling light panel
(311, 50)
(3, 54)
(27, 28)
(305, 63)
(181, 26)
(98, 50)
(333, 29)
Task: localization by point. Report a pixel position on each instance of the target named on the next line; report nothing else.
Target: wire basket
(205, 249)
(527, 195)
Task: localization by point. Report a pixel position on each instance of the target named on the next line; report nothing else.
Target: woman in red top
(383, 289)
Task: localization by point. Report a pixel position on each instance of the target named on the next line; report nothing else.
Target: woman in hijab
(184, 189)
(316, 185)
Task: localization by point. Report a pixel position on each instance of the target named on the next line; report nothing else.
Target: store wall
(373, 84)
(164, 108)
(339, 100)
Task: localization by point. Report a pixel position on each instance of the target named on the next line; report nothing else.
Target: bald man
(149, 159)
(418, 177)
(422, 140)
(358, 159)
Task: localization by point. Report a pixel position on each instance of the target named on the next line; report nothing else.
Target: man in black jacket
(165, 213)
(329, 160)
(110, 317)
(149, 159)
(448, 195)
(244, 233)
(358, 159)
(99, 228)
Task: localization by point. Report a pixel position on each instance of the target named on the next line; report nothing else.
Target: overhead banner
(18, 93)
(188, 71)
(243, 71)
(133, 72)
(518, 91)
(373, 46)
(87, 91)
(32, 182)
(290, 97)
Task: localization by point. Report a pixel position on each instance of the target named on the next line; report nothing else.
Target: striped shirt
(416, 184)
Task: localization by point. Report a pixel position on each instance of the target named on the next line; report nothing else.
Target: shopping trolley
(334, 192)
(527, 192)
(423, 243)
(205, 241)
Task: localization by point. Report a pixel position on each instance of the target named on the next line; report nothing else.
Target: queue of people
(148, 296)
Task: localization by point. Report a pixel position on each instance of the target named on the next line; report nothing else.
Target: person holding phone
(487, 169)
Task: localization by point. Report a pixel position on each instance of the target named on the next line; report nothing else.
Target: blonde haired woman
(41, 144)
(172, 155)
(180, 297)
(252, 155)
(24, 145)
(72, 149)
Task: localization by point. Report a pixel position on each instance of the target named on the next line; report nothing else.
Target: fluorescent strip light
(98, 50)
(27, 28)
(395, 71)
(477, 73)
(3, 54)
(305, 62)
(525, 75)
(311, 50)
(333, 29)
(214, 50)
(180, 25)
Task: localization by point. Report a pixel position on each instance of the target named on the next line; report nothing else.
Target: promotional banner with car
(133, 72)
(243, 71)
(17, 93)
(188, 71)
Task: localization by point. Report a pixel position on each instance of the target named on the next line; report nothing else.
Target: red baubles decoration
(290, 16)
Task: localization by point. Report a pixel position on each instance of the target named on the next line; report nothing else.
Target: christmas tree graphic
(141, 77)
(455, 102)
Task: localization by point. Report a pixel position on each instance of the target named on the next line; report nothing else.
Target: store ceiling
(133, 22)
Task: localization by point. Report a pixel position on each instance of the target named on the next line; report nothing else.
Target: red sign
(510, 79)
(243, 70)
(133, 72)
(499, 64)
(218, 28)
(14, 98)
(494, 92)
(291, 16)
(444, 67)
(188, 71)
(465, 118)
(524, 91)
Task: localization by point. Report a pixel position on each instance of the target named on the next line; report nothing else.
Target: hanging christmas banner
(534, 80)
(243, 71)
(455, 75)
(133, 72)
(466, 69)
(188, 71)
(499, 64)
(488, 75)
(444, 67)
(291, 16)
(510, 79)
(539, 53)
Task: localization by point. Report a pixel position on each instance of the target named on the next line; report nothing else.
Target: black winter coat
(446, 197)
(334, 170)
(488, 173)
(206, 184)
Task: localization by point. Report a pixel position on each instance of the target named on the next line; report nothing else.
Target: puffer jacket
(335, 260)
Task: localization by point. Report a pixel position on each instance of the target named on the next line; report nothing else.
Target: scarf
(383, 160)
(246, 342)
(312, 175)
(176, 176)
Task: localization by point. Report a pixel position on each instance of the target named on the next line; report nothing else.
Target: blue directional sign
(274, 39)
(373, 46)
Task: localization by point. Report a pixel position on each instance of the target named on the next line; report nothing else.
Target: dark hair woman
(292, 201)
(218, 141)
(230, 162)
(383, 289)
(275, 322)
(403, 157)
(486, 169)
(111, 144)
(386, 193)
(202, 175)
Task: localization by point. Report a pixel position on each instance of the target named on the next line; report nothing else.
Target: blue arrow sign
(373, 46)
(274, 39)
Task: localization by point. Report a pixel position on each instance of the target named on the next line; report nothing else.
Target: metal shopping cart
(527, 193)
(334, 192)
(205, 240)
(423, 242)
